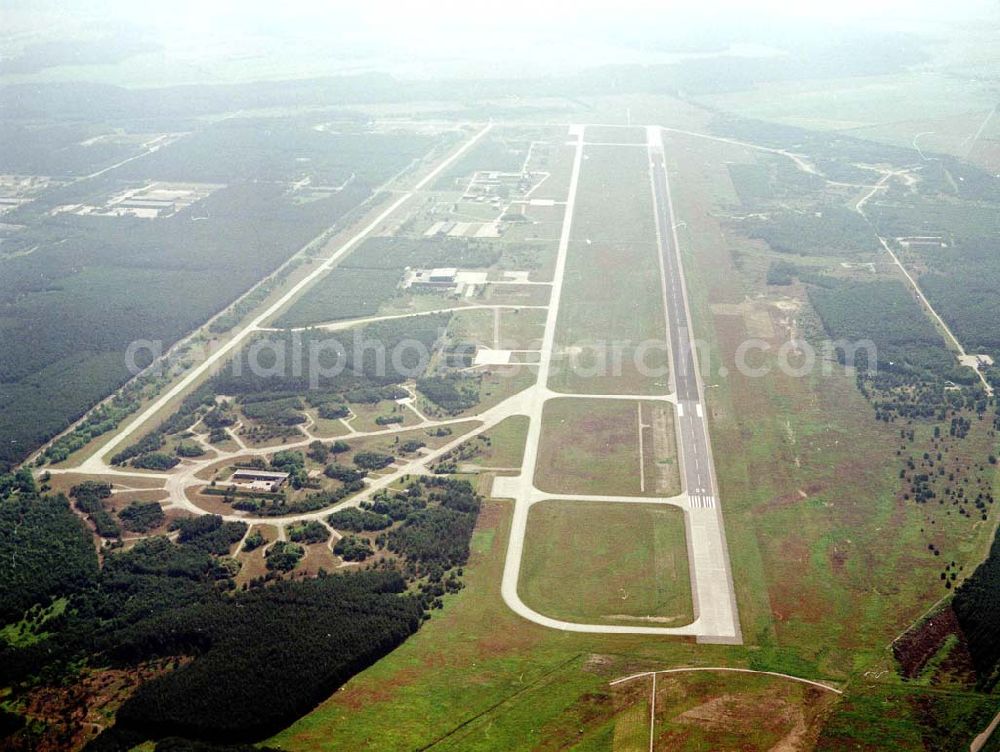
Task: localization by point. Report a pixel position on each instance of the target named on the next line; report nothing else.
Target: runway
(714, 598)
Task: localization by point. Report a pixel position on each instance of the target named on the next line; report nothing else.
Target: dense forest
(45, 550)
(977, 606)
(960, 272)
(885, 314)
(828, 230)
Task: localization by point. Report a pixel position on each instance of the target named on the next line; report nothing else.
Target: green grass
(472, 326)
(709, 711)
(506, 443)
(827, 562)
(522, 329)
(30, 630)
(477, 676)
(607, 563)
(878, 717)
(591, 446)
(823, 582)
(612, 297)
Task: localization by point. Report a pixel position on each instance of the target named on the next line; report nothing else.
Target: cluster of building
(157, 199)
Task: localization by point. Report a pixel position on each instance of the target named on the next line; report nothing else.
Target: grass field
(838, 104)
(616, 134)
(592, 446)
(607, 563)
(808, 478)
(522, 329)
(478, 677)
(612, 300)
(473, 326)
(505, 445)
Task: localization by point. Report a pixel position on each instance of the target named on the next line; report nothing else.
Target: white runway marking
(700, 501)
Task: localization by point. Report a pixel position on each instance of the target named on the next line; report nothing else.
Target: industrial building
(259, 480)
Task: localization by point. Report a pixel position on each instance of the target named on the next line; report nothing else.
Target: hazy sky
(213, 38)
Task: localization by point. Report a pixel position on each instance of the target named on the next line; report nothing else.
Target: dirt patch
(120, 500)
(794, 598)
(915, 648)
(838, 558)
(76, 713)
(739, 714)
(489, 516)
(318, 556)
(63, 482)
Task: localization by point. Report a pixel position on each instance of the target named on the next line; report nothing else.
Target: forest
(960, 274)
(265, 149)
(168, 600)
(977, 606)
(96, 284)
(76, 290)
(829, 230)
(886, 314)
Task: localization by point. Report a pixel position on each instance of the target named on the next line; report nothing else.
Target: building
(442, 276)
(427, 278)
(259, 480)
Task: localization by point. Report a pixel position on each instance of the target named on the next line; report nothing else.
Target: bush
(254, 541)
(288, 461)
(358, 520)
(373, 460)
(284, 556)
(309, 532)
(453, 393)
(781, 273)
(209, 533)
(189, 449)
(156, 461)
(142, 516)
(353, 548)
(343, 473)
(333, 412)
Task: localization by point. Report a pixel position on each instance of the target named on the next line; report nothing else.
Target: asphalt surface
(711, 576)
